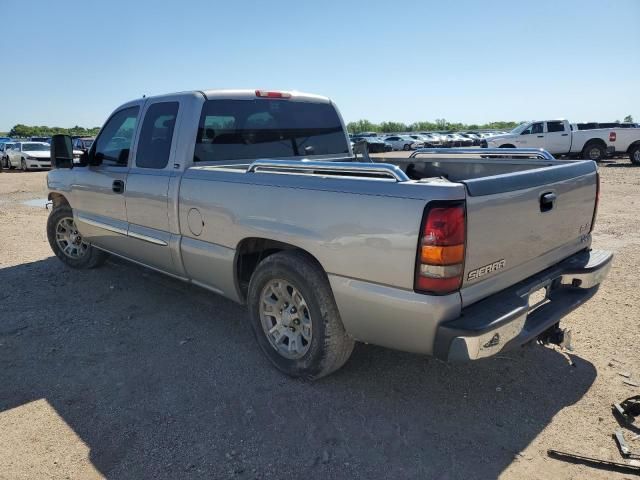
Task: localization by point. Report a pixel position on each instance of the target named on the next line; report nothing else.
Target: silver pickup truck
(257, 196)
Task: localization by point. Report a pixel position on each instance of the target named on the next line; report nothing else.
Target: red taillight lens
(612, 136)
(267, 94)
(595, 208)
(440, 258)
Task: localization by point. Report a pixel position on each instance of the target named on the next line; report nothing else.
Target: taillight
(440, 258)
(595, 208)
(612, 136)
(267, 94)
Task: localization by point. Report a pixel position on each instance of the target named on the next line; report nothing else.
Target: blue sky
(73, 62)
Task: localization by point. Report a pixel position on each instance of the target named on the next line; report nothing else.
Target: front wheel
(406, 148)
(67, 243)
(23, 165)
(295, 318)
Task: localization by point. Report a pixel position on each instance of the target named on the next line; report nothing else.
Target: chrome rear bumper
(506, 320)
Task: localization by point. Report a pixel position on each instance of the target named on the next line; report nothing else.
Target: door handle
(546, 201)
(118, 186)
(540, 136)
(565, 135)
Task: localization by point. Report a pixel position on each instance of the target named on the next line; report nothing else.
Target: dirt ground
(123, 373)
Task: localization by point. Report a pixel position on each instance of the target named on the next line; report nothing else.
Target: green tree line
(439, 124)
(21, 131)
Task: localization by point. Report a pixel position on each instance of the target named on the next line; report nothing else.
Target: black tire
(406, 147)
(330, 346)
(23, 165)
(634, 155)
(92, 258)
(9, 164)
(594, 151)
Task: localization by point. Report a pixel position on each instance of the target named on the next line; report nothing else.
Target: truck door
(147, 193)
(532, 136)
(557, 137)
(97, 191)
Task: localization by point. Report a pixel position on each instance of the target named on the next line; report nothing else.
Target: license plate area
(538, 297)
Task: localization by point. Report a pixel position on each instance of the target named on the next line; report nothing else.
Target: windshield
(249, 129)
(35, 147)
(520, 128)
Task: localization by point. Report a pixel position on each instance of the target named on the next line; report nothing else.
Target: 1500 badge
(482, 271)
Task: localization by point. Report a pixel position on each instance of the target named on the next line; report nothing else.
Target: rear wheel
(634, 155)
(594, 151)
(295, 318)
(67, 243)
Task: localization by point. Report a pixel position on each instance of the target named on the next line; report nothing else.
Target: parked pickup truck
(558, 138)
(257, 196)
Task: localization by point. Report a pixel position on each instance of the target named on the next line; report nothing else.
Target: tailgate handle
(546, 201)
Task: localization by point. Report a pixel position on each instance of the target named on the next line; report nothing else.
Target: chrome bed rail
(494, 152)
(374, 171)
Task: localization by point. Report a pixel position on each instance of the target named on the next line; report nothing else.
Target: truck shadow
(164, 380)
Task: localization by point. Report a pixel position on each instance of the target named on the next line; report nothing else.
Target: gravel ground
(123, 373)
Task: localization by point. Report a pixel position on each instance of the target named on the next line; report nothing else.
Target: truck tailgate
(523, 222)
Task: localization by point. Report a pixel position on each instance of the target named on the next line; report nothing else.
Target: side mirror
(94, 159)
(61, 151)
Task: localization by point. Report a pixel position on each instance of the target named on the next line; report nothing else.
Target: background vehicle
(46, 140)
(429, 254)
(432, 139)
(402, 142)
(557, 137)
(4, 156)
(596, 125)
(83, 143)
(29, 155)
(475, 140)
(375, 144)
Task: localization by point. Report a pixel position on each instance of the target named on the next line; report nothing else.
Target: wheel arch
(58, 199)
(507, 145)
(251, 251)
(633, 145)
(594, 141)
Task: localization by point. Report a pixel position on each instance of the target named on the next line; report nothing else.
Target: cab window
(114, 142)
(555, 127)
(156, 135)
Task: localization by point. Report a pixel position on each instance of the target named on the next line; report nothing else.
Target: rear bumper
(505, 320)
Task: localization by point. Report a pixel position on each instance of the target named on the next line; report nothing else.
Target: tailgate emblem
(482, 271)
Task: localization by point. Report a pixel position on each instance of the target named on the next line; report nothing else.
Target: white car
(557, 138)
(403, 142)
(29, 155)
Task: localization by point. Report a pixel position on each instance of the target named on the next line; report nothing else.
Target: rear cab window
(555, 127)
(268, 128)
(156, 135)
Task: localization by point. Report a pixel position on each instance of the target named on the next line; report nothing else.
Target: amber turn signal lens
(436, 255)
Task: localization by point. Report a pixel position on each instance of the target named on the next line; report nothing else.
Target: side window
(114, 143)
(156, 134)
(536, 128)
(555, 127)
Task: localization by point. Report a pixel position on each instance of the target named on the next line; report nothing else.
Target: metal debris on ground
(629, 382)
(628, 410)
(593, 462)
(625, 450)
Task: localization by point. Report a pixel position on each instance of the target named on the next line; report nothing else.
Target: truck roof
(243, 94)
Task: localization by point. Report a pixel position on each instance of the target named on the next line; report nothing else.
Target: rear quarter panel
(365, 230)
